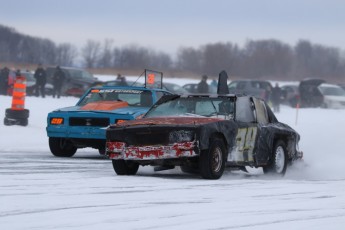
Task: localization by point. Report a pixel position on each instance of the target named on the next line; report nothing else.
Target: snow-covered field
(39, 191)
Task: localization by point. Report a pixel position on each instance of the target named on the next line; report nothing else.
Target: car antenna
(138, 78)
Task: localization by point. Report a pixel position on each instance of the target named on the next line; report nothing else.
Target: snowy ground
(39, 191)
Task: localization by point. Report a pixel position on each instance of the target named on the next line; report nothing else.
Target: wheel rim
(280, 159)
(217, 160)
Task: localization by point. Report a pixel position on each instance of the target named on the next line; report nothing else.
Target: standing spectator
(41, 80)
(275, 98)
(123, 81)
(203, 86)
(4, 80)
(58, 79)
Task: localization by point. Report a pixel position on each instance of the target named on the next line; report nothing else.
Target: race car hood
(124, 110)
(170, 121)
(158, 130)
(104, 105)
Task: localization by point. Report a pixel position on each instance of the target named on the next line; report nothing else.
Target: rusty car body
(204, 134)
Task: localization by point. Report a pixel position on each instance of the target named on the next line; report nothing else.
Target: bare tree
(66, 54)
(160, 61)
(219, 56)
(317, 60)
(189, 59)
(132, 56)
(90, 53)
(267, 58)
(106, 56)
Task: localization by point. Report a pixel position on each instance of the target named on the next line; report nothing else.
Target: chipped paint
(171, 120)
(118, 150)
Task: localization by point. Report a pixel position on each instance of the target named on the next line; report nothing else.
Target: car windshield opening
(133, 97)
(221, 107)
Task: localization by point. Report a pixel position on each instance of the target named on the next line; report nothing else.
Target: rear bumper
(119, 150)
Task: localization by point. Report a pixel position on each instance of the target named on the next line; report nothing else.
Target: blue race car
(84, 125)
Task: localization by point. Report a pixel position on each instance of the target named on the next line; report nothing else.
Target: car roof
(329, 85)
(129, 88)
(290, 85)
(212, 95)
(250, 80)
(71, 68)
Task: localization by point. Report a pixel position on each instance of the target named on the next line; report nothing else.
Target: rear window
(261, 85)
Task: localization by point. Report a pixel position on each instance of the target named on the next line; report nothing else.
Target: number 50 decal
(245, 143)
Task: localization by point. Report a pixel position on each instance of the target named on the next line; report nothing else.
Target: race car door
(242, 152)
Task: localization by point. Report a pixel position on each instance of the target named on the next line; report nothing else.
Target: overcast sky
(166, 25)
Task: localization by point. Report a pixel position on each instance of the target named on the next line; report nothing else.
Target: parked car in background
(174, 88)
(290, 94)
(119, 83)
(310, 95)
(258, 88)
(31, 84)
(193, 88)
(333, 96)
(77, 80)
(342, 86)
(171, 87)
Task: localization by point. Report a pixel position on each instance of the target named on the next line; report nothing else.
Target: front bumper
(76, 132)
(119, 150)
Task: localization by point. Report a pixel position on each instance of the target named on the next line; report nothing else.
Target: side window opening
(244, 110)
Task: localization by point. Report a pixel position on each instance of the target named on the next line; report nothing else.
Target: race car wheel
(278, 164)
(190, 169)
(123, 167)
(61, 147)
(101, 151)
(212, 160)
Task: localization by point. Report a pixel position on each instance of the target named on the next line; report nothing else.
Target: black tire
(123, 167)
(190, 169)
(7, 122)
(279, 160)
(17, 114)
(23, 122)
(61, 147)
(212, 160)
(12, 121)
(101, 151)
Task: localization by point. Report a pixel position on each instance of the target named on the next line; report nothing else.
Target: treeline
(259, 59)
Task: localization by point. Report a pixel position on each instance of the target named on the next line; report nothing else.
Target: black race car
(204, 134)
